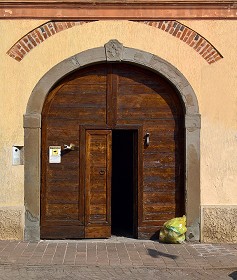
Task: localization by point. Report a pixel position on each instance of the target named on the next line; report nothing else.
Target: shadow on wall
(156, 254)
(233, 275)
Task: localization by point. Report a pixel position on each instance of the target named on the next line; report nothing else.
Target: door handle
(70, 147)
(147, 139)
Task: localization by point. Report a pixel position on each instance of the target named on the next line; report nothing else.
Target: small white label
(54, 154)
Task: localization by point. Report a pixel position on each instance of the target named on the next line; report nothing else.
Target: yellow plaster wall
(218, 107)
(215, 86)
(13, 96)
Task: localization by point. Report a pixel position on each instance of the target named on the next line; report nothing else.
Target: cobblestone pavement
(116, 258)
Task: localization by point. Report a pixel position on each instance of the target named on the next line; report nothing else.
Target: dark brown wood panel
(113, 96)
(97, 196)
(147, 99)
(79, 98)
(71, 231)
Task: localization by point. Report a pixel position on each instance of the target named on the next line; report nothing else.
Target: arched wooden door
(84, 109)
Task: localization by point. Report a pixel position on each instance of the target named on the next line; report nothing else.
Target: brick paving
(110, 273)
(118, 252)
(116, 259)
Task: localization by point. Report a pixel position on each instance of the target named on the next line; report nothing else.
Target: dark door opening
(124, 183)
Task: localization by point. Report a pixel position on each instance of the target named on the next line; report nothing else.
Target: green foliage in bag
(173, 230)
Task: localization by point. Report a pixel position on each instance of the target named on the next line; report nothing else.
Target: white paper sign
(54, 154)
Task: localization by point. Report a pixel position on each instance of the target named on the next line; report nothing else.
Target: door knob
(102, 172)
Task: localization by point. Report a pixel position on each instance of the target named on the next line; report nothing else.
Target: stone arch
(113, 51)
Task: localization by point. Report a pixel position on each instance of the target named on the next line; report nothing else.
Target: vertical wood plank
(112, 89)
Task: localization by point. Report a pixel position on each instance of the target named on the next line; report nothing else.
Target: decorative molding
(123, 9)
(114, 51)
(195, 40)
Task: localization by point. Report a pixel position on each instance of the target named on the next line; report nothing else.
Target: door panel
(61, 201)
(75, 195)
(80, 97)
(146, 98)
(98, 183)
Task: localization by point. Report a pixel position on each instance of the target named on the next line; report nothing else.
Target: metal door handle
(102, 172)
(147, 139)
(70, 147)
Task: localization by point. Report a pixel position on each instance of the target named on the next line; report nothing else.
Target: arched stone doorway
(112, 52)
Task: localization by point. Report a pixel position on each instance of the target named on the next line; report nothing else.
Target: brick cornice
(136, 9)
(123, 2)
(182, 32)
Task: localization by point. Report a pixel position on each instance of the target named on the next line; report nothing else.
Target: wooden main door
(84, 109)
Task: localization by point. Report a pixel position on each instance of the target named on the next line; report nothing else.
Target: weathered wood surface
(110, 96)
(97, 195)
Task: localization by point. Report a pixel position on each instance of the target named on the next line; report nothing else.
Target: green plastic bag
(173, 230)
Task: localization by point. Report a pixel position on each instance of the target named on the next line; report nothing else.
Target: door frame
(113, 51)
(138, 198)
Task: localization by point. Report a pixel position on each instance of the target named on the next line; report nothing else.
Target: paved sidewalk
(111, 273)
(120, 253)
